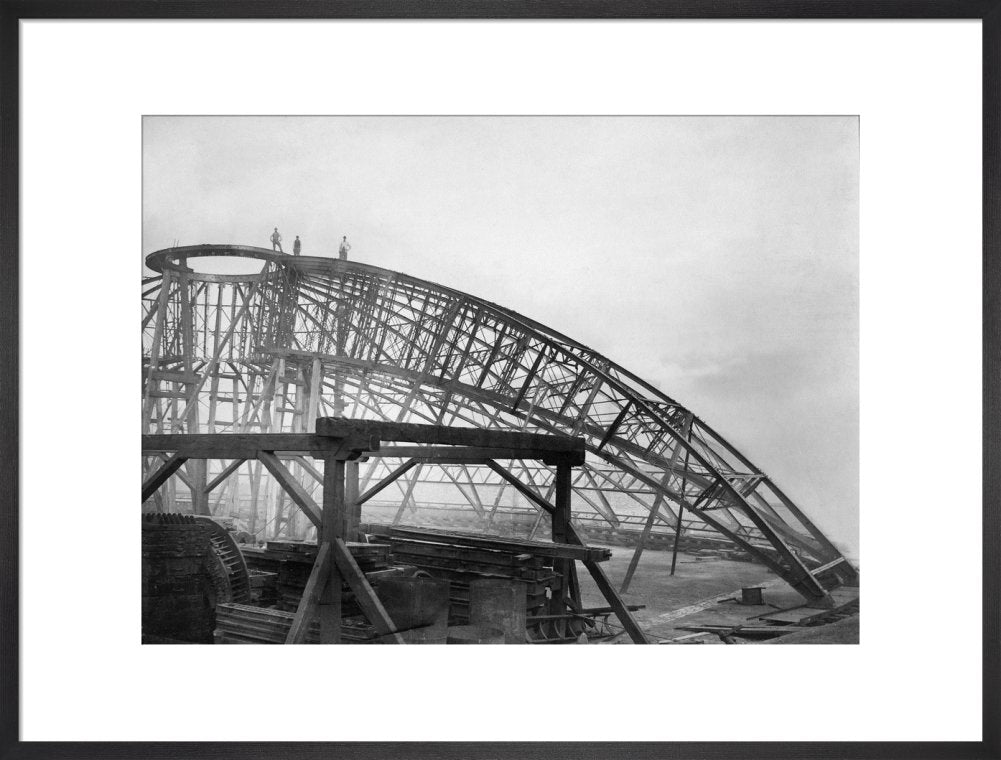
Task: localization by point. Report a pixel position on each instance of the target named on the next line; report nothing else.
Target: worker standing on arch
(276, 241)
(345, 247)
(296, 246)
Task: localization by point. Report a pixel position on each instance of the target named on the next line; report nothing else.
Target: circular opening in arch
(215, 263)
(231, 265)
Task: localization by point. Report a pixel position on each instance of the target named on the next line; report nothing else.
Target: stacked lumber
(244, 624)
(290, 562)
(537, 548)
(462, 558)
(263, 588)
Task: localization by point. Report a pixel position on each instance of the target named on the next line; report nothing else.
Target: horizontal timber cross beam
(565, 449)
(471, 454)
(248, 445)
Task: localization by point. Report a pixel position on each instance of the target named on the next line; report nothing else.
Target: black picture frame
(13, 11)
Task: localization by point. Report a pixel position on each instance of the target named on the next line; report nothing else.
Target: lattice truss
(311, 337)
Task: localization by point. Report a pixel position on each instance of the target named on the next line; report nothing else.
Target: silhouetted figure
(276, 241)
(345, 247)
(296, 246)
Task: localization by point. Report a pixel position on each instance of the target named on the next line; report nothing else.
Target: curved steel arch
(311, 336)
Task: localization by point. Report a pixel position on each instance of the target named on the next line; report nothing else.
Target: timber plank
(577, 551)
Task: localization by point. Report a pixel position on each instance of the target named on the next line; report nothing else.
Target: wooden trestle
(339, 443)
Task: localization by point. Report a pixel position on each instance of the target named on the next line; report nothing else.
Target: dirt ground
(688, 597)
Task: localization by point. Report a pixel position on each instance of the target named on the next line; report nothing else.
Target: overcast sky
(717, 258)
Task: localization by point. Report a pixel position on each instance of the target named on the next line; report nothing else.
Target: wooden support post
(331, 530)
(214, 386)
(313, 400)
(152, 384)
(352, 507)
(198, 476)
(306, 612)
(561, 530)
(255, 492)
(364, 593)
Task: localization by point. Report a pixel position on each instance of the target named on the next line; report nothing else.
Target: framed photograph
(603, 330)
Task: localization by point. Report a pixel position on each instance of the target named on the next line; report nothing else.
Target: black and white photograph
(580, 380)
(571, 326)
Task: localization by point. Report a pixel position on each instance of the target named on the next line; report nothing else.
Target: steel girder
(312, 337)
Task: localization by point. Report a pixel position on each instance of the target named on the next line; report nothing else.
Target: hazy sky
(717, 258)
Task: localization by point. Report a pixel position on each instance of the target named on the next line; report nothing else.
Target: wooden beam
(198, 473)
(315, 381)
(386, 481)
(330, 530)
(524, 490)
(364, 593)
(454, 436)
(227, 471)
(352, 509)
(560, 533)
(561, 514)
(291, 486)
(158, 478)
(180, 473)
(151, 383)
(247, 445)
(306, 611)
(572, 550)
(615, 602)
(471, 454)
(611, 595)
(314, 473)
